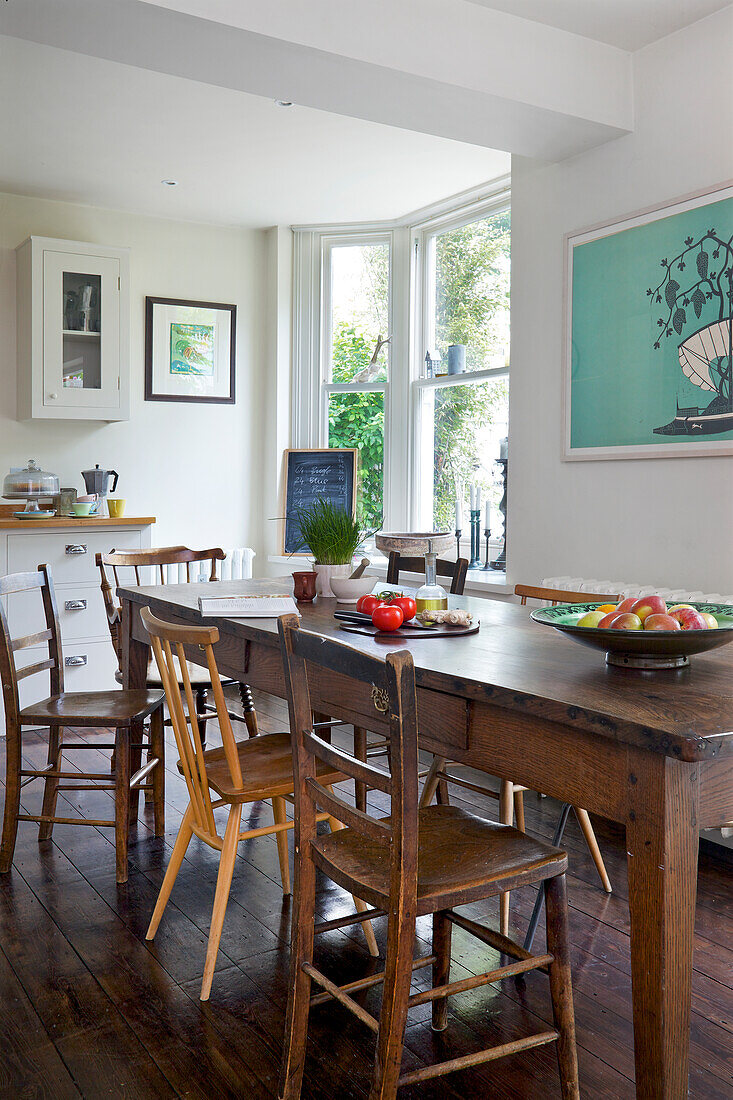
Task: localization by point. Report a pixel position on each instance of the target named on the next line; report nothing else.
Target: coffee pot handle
(114, 483)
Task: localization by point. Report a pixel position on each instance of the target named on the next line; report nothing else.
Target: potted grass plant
(333, 536)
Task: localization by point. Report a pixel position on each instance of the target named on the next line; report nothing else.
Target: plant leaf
(678, 320)
(702, 264)
(670, 292)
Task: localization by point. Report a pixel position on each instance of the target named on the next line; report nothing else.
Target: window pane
(359, 312)
(468, 299)
(462, 429)
(357, 420)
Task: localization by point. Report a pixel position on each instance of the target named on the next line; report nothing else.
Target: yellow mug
(116, 507)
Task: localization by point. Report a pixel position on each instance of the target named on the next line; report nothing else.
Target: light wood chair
(412, 863)
(123, 711)
(159, 559)
(239, 772)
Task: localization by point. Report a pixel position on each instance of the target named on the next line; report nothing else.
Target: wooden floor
(88, 1008)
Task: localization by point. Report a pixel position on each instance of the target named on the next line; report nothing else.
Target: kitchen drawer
(80, 607)
(69, 554)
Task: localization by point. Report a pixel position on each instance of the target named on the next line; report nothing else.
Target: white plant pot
(324, 574)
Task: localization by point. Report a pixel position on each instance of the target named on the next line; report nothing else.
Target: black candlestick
(458, 543)
(487, 536)
(475, 562)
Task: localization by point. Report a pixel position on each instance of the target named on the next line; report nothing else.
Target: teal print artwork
(652, 319)
(192, 350)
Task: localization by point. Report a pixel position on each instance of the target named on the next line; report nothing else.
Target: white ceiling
(628, 24)
(81, 129)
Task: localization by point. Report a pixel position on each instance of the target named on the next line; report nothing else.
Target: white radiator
(626, 588)
(237, 565)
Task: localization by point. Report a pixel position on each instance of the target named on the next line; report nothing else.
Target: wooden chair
(123, 711)
(238, 772)
(159, 559)
(412, 863)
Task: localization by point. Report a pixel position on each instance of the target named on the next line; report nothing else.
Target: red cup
(304, 586)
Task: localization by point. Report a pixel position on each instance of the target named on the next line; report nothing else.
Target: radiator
(627, 588)
(237, 566)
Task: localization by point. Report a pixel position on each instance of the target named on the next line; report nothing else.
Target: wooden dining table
(651, 750)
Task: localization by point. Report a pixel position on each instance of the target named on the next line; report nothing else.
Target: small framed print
(190, 351)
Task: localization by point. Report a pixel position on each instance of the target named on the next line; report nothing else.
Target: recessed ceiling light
(283, 103)
(169, 183)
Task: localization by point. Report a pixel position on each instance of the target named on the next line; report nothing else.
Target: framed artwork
(190, 351)
(648, 327)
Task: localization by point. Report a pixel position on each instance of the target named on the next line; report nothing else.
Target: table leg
(662, 845)
(135, 655)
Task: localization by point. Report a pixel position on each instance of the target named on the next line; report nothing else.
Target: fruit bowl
(649, 649)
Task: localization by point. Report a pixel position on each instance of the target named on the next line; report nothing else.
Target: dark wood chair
(412, 863)
(123, 711)
(239, 772)
(159, 559)
(455, 571)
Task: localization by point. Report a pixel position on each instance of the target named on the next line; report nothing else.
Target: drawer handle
(76, 548)
(77, 661)
(76, 605)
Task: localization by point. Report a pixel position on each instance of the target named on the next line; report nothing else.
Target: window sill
(478, 581)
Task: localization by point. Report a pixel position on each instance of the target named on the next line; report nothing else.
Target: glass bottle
(431, 596)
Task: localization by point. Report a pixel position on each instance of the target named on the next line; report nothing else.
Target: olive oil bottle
(431, 596)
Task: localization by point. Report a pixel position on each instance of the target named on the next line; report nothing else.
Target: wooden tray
(412, 633)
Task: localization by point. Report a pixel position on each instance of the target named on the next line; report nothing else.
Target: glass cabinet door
(81, 342)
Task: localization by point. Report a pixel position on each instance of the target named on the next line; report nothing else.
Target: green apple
(591, 618)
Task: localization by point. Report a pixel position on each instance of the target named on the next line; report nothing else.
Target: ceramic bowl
(82, 507)
(347, 591)
(415, 542)
(647, 649)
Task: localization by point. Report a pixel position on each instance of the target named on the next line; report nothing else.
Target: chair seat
(93, 708)
(267, 769)
(461, 858)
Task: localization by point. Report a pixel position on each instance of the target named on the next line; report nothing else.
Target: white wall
(194, 467)
(663, 521)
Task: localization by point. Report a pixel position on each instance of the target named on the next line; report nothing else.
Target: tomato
(387, 617)
(407, 606)
(366, 604)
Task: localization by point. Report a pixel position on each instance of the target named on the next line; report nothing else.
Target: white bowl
(347, 590)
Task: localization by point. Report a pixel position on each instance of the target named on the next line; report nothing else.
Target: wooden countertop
(9, 523)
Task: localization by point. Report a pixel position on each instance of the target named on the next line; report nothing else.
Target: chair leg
(537, 908)
(157, 748)
(136, 755)
(223, 886)
(201, 711)
(278, 811)
(174, 865)
(506, 817)
(360, 906)
(561, 989)
(590, 838)
(122, 799)
(12, 798)
(51, 786)
(519, 810)
(392, 1018)
(248, 709)
(431, 781)
(360, 752)
(301, 951)
(442, 928)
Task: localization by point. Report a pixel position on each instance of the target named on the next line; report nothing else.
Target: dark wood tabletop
(684, 713)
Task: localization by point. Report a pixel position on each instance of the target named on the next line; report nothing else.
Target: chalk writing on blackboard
(328, 474)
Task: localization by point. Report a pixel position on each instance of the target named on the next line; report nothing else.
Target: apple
(605, 622)
(626, 605)
(627, 621)
(591, 618)
(649, 605)
(677, 606)
(661, 622)
(689, 618)
(710, 620)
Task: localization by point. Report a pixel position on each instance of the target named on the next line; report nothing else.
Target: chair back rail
(456, 570)
(168, 640)
(396, 675)
(560, 595)
(42, 582)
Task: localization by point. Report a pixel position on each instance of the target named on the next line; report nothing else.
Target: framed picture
(648, 326)
(190, 351)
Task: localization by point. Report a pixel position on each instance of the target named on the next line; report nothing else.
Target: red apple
(649, 605)
(689, 618)
(626, 605)
(627, 621)
(606, 621)
(661, 622)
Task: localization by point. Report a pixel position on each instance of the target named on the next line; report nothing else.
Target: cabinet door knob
(73, 662)
(76, 605)
(53, 396)
(76, 548)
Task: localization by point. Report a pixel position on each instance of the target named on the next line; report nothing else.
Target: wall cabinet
(73, 331)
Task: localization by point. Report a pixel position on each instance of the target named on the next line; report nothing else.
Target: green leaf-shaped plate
(649, 649)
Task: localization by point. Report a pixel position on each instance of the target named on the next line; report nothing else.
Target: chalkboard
(326, 474)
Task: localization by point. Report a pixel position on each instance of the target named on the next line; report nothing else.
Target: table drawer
(69, 554)
(80, 607)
